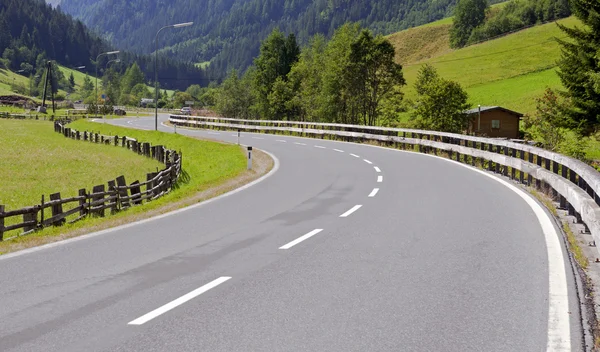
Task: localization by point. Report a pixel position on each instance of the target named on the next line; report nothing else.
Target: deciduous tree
(441, 104)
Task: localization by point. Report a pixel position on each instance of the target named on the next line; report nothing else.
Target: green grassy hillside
(509, 71)
(8, 77)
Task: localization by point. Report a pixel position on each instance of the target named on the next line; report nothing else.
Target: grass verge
(210, 169)
(36, 160)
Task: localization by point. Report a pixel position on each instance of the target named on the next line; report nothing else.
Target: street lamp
(115, 60)
(179, 25)
(97, 58)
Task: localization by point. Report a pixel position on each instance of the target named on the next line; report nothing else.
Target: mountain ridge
(228, 32)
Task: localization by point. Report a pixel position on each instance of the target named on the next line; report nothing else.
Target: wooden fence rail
(117, 195)
(574, 184)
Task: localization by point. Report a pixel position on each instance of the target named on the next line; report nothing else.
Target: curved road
(344, 248)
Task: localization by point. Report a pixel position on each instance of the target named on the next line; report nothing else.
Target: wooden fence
(117, 195)
(572, 183)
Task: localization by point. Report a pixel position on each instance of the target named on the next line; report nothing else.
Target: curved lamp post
(115, 60)
(179, 25)
(97, 58)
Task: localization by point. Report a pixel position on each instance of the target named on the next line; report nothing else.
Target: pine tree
(580, 66)
(71, 81)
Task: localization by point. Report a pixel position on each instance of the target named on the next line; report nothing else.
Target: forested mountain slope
(228, 32)
(32, 31)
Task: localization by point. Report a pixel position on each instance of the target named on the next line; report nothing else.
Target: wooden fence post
(32, 216)
(113, 193)
(135, 193)
(95, 197)
(150, 183)
(82, 202)
(1, 223)
(57, 208)
(116, 141)
(122, 192)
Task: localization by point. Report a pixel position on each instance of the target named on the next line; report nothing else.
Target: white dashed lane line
(379, 179)
(281, 140)
(179, 301)
(354, 155)
(367, 161)
(320, 147)
(377, 169)
(214, 133)
(300, 143)
(352, 210)
(300, 239)
(339, 150)
(373, 192)
(257, 138)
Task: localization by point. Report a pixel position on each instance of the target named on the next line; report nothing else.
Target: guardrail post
(1, 223)
(539, 159)
(57, 209)
(562, 201)
(497, 151)
(521, 176)
(472, 145)
(529, 177)
(513, 174)
(116, 141)
(505, 168)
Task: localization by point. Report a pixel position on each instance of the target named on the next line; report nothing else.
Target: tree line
(475, 22)
(351, 78)
(228, 33)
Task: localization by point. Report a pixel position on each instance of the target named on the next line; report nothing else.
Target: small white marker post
(249, 158)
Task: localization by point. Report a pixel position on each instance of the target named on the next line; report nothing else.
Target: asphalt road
(344, 248)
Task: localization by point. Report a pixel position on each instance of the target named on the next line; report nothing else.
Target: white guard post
(249, 158)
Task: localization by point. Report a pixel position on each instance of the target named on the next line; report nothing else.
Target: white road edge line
(354, 155)
(352, 210)
(320, 147)
(373, 192)
(367, 161)
(179, 301)
(300, 143)
(559, 329)
(339, 150)
(379, 179)
(125, 226)
(300, 239)
(377, 169)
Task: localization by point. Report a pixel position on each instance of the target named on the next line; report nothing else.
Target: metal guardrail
(572, 182)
